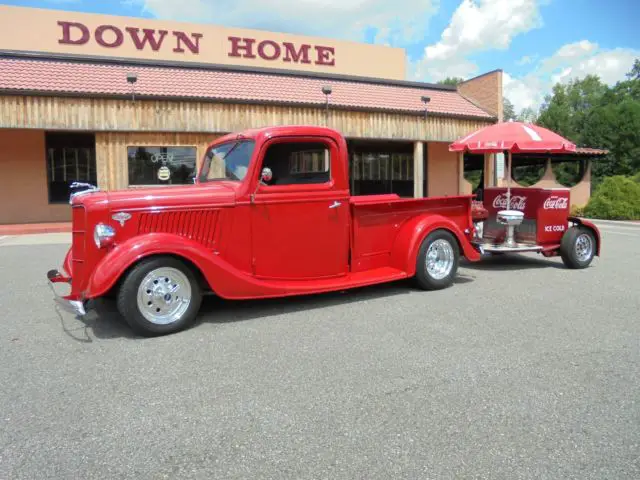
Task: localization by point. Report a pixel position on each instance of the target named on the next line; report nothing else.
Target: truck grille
(199, 226)
(78, 239)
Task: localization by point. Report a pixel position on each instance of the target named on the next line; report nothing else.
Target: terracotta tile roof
(49, 76)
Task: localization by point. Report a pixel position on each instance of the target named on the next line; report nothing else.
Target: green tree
(528, 115)
(566, 109)
(591, 114)
(508, 111)
(634, 74)
(451, 81)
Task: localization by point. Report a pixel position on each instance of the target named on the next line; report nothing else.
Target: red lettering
(149, 36)
(266, 43)
(236, 47)
(66, 33)
(291, 55)
(325, 56)
(193, 45)
(100, 36)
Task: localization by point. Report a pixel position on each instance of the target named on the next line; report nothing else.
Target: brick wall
(485, 91)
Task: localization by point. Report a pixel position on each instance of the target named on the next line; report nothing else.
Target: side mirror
(266, 175)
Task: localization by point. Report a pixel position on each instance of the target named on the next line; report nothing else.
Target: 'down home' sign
(91, 35)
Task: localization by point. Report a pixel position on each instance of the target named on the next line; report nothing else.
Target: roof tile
(48, 76)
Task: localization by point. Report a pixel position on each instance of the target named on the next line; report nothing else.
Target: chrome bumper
(72, 306)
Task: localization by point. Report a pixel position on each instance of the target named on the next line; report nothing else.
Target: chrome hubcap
(164, 295)
(584, 247)
(439, 259)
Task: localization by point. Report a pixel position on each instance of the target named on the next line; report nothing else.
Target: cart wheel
(437, 261)
(159, 296)
(578, 247)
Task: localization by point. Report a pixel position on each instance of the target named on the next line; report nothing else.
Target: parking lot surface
(522, 369)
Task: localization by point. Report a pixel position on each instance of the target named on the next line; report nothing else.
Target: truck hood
(196, 195)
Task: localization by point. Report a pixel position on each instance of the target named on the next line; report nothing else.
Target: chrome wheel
(439, 259)
(164, 295)
(584, 247)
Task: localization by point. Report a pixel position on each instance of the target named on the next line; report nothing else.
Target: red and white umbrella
(512, 137)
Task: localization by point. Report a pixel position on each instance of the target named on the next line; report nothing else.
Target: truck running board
(501, 248)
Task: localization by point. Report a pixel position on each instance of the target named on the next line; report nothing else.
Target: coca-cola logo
(556, 203)
(518, 202)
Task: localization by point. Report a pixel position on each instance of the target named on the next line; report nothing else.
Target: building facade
(127, 102)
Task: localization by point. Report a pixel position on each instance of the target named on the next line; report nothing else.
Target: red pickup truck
(269, 215)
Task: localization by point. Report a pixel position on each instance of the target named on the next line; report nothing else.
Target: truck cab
(269, 215)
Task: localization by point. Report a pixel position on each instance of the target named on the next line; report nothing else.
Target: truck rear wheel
(159, 296)
(437, 261)
(577, 247)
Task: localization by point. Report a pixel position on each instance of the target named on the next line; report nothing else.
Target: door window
(298, 163)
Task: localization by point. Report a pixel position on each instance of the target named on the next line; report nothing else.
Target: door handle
(335, 204)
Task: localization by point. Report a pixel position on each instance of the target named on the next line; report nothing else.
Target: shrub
(576, 211)
(616, 198)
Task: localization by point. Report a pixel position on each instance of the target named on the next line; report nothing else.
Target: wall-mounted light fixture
(132, 78)
(326, 90)
(425, 100)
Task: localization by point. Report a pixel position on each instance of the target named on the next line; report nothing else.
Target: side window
(298, 163)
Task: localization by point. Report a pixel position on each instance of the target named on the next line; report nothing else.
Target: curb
(26, 229)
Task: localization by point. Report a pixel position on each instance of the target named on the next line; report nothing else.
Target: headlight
(103, 235)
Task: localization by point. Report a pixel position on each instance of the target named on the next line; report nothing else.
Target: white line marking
(612, 228)
(611, 232)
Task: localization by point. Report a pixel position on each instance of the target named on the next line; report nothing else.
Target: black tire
(424, 278)
(568, 251)
(128, 297)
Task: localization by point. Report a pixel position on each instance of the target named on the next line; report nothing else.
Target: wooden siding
(113, 115)
(111, 152)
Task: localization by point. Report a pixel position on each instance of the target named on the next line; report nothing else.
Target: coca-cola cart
(510, 220)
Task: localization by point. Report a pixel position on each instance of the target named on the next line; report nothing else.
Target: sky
(536, 43)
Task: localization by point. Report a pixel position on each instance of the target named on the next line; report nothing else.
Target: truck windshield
(228, 161)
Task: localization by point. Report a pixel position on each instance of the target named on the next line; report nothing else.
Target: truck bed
(377, 220)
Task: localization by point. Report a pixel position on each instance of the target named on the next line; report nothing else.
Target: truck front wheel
(437, 261)
(159, 296)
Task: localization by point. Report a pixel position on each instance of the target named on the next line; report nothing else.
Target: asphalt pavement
(522, 370)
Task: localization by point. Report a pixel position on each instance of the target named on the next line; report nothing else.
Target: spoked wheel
(578, 247)
(437, 261)
(159, 296)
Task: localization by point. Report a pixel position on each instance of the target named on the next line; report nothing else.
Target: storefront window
(71, 157)
(382, 172)
(161, 165)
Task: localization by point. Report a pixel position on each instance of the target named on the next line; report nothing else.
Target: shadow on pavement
(511, 261)
(104, 322)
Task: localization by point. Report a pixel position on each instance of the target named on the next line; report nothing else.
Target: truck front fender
(592, 227)
(124, 255)
(407, 244)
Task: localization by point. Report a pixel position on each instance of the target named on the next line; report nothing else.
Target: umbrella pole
(509, 181)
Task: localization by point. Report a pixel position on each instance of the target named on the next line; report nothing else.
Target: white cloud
(397, 23)
(476, 26)
(527, 59)
(570, 62)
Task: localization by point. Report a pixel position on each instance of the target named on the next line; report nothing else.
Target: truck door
(300, 217)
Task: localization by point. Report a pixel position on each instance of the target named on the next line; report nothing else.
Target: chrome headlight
(103, 235)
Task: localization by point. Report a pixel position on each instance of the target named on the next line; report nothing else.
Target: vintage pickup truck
(269, 215)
